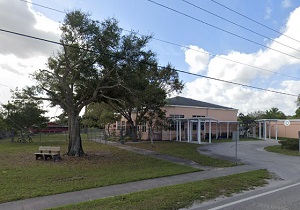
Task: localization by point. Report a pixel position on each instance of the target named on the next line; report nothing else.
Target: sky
(221, 43)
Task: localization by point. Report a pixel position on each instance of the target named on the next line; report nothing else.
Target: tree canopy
(274, 113)
(146, 84)
(100, 115)
(79, 72)
(96, 63)
(23, 114)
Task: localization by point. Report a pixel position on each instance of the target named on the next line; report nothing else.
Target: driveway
(253, 153)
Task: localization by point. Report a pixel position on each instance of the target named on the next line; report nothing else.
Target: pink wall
(188, 112)
(218, 114)
(290, 131)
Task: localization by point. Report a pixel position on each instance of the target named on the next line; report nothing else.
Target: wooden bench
(46, 152)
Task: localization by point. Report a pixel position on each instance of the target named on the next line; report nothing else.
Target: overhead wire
(251, 19)
(187, 47)
(5, 85)
(243, 27)
(223, 58)
(43, 6)
(177, 70)
(221, 29)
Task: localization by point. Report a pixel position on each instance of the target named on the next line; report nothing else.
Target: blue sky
(148, 18)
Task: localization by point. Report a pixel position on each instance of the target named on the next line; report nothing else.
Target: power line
(235, 83)
(234, 11)
(43, 6)
(186, 47)
(221, 29)
(5, 85)
(245, 28)
(177, 70)
(219, 57)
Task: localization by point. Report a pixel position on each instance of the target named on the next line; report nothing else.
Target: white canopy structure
(265, 126)
(205, 120)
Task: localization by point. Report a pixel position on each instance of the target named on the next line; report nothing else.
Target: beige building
(190, 120)
(276, 128)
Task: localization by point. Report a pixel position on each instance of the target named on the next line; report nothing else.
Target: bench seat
(46, 152)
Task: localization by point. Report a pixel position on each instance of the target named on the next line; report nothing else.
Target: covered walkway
(202, 126)
(288, 125)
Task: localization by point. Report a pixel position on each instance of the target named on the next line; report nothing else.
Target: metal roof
(187, 102)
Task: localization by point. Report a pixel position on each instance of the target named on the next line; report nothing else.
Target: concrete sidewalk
(102, 192)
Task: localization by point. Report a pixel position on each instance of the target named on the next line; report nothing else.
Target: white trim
(199, 107)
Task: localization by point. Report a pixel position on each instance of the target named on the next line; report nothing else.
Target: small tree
(297, 113)
(247, 121)
(100, 115)
(274, 113)
(22, 114)
(157, 121)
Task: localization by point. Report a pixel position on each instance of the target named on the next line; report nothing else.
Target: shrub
(291, 144)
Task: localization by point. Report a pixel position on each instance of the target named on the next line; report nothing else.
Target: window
(195, 124)
(173, 121)
(196, 116)
(123, 125)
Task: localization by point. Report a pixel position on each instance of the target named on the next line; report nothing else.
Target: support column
(188, 131)
(209, 132)
(227, 130)
(269, 129)
(204, 130)
(265, 130)
(217, 130)
(179, 130)
(199, 131)
(276, 132)
(191, 131)
(259, 130)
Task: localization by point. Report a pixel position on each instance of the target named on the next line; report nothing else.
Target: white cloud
(197, 58)
(244, 98)
(21, 56)
(268, 13)
(286, 3)
(25, 21)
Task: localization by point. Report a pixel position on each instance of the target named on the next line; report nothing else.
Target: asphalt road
(282, 193)
(253, 153)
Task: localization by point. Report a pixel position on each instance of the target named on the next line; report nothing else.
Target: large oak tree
(81, 71)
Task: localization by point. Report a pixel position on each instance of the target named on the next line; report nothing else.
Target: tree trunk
(75, 144)
(133, 130)
(108, 131)
(134, 133)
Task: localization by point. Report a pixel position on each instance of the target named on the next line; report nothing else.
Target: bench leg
(37, 156)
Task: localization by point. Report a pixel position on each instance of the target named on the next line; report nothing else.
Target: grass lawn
(23, 177)
(183, 150)
(179, 196)
(277, 149)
